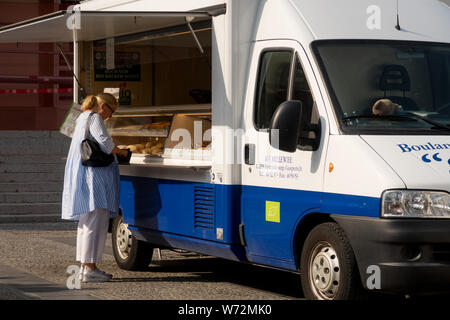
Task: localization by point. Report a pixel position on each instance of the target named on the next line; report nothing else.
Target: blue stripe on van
(189, 210)
(272, 242)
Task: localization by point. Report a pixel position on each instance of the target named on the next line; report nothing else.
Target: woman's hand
(120, 152)
(124, 153)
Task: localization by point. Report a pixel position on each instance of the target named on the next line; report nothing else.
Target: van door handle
(250, 154)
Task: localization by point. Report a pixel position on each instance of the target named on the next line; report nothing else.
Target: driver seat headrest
(395, 77)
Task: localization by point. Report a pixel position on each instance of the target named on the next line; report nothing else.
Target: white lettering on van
(424, 147)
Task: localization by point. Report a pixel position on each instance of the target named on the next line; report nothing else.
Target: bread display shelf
(141, 157)
(194, 155)
(161, 133)
(155, 139)
(153, 148)
(162, 110)
(158, 161)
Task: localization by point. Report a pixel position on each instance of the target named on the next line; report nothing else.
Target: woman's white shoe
(95, 276)
(106, 274)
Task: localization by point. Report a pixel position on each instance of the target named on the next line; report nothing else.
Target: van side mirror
(285, 126)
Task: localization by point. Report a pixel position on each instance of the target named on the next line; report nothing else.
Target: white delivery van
(307, 136)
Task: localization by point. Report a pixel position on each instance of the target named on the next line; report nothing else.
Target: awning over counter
(66, 26)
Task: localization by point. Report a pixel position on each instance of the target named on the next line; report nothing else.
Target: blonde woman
(91, 195)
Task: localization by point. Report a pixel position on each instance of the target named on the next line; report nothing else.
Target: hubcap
(324, 271)
(123, 240)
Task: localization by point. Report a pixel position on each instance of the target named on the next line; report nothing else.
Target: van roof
(419, 20)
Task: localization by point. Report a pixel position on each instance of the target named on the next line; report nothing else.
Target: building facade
(35, 82)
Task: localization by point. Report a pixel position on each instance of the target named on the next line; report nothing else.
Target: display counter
(164, 136)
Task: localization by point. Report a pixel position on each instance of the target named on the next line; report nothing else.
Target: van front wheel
(129, 252)
(328, 268)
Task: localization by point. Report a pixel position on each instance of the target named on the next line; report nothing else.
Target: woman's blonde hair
(92, 102)
(89, 103)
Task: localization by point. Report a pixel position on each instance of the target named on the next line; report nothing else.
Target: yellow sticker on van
(273, 211)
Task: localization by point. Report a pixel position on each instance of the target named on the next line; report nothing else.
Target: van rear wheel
(328, 267)
(129, 252)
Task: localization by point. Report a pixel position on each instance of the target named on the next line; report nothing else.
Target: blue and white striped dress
(86, 188)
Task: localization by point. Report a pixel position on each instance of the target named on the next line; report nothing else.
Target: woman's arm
(98, 131)
(100, 134)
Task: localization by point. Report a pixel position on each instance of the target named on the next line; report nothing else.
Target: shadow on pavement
(209, 269)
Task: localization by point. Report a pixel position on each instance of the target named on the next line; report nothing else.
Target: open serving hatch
(135, 34)
(68, 26)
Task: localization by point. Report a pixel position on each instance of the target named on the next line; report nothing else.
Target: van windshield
(388, 87)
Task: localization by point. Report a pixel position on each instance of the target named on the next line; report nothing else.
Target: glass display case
(155, 134)
(163, 85)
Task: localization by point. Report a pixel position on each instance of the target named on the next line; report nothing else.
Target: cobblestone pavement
(41, 253)
(34, 259)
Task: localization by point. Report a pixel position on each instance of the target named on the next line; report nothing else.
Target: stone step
(33, 141)
(34, 159)
(32, 187)
(31, 218)
(32, 168)
(32, 177)
(29, 208)
(33, 149)
(41, 145)
(30, 197)
(30, 134)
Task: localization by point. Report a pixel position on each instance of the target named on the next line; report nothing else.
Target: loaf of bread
(157, 151)
(132, 148)
(153, 146)
(158, 125)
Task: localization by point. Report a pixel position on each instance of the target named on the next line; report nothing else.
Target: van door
(280, 187)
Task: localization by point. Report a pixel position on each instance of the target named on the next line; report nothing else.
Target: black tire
(129, 252)
(328, 266)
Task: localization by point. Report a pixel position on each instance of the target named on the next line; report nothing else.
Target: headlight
(415, 204)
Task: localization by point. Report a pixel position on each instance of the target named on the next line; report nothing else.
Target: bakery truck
(256, 139)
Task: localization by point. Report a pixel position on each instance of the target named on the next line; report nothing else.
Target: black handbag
(91, 154)
(124, 160)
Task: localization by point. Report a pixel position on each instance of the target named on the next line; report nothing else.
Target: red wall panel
(30, 111)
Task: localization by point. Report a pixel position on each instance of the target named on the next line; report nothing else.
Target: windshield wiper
(407, 116)
(434, 123)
